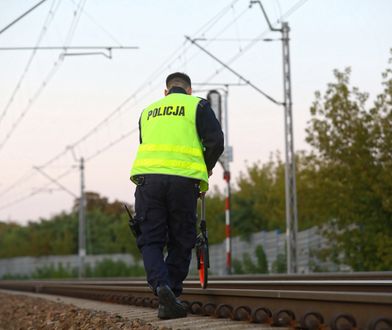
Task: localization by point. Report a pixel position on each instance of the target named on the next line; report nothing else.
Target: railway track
(344, 301)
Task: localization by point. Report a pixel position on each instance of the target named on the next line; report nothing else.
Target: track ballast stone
(23, 312)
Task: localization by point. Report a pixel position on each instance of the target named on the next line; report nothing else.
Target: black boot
(169, 306)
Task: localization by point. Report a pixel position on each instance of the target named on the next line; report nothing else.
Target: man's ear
(189, 90)
(166, 92)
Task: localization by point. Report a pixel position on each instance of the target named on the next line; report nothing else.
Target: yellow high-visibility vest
(170, 143)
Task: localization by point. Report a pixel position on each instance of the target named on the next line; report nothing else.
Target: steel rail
(383, 286)
(323, 304)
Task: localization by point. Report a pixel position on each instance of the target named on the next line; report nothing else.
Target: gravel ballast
(23, 312)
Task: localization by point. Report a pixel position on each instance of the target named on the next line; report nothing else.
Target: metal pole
(226, 177)
(290, 182)
(82, 237)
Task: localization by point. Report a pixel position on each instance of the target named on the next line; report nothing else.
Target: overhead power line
(214, 20)
(55, 181)
(21, 179)
(65, 48)
(173, 58)
(111, 144)
(21, 16)
(232, 39)
(49, 18)
(245, 49)
(92, 19)
(221, 31)
(48, 77)
(234, 72)
(164, 66)
(160, 69)
(37, 190)
(293, 8)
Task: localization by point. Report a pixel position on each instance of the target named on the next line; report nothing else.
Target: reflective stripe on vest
(170, 143)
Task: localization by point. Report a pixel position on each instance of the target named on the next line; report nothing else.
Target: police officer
(180, 143)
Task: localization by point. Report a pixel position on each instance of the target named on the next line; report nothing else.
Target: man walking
(180, 142)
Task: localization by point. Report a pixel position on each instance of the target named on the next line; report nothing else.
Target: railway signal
(215, 99)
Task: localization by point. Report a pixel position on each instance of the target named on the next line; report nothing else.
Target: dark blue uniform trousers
(166, 212)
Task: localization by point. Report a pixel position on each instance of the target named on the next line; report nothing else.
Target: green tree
(215, 216)
(258, 203)
(107, 232)
(351, 163)
(107, 226)
(14, 240)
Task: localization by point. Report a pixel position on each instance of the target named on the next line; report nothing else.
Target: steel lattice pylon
(290, 182)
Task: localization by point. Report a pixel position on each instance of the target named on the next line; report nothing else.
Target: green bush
(280, 265)
(110, 268)
(54, 272)
(247, 266)
(104, 268)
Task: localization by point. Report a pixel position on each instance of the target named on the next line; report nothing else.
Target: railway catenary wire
(255, 40)
(320, 301)
(38, 190)
(165, 65)
(53, 70)
(51, 14)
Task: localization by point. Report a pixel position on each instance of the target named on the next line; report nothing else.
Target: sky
(56, 107)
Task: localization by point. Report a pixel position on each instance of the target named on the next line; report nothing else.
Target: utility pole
(249, 83)
(290, 181)
(290, 173)
(82, 222)
(82, 205)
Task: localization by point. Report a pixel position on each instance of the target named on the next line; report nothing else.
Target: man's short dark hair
(178, 79)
